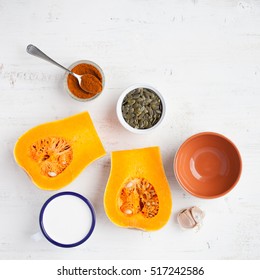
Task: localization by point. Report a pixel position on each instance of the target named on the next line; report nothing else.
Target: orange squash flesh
(129, 168)
(77, 140)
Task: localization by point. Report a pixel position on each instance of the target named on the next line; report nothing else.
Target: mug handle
(37, 236)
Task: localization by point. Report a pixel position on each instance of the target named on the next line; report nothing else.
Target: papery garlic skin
(197, 214)
(190, 217)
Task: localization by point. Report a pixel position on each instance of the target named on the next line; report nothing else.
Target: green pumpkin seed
(141, 108)
(138, 112)
(155, 102)
(140, 117)
(141, 123)
(154, 121)
(131, 101)
(146, 123)
(153, 106)
(150, 110)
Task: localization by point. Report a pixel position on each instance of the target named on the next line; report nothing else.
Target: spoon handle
(31, 49)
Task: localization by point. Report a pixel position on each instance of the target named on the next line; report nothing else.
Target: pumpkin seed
(131, 101)
(146, 94)
(141, 124)
(155, 103)
(138, 112)
(141, 116)
(155, 107)
(141, 108)
(153, 122)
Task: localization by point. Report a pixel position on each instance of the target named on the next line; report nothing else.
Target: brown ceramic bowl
(208, 165)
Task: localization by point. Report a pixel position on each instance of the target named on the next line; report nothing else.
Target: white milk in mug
(67, 219)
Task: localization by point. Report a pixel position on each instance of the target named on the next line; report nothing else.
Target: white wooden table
(204, 57)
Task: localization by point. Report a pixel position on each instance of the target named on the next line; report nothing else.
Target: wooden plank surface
(203, 56)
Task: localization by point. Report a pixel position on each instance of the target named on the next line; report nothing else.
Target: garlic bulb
(190, 218)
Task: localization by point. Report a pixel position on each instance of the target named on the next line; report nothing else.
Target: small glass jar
(67, 74)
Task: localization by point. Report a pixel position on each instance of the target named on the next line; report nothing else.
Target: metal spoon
(31, 49)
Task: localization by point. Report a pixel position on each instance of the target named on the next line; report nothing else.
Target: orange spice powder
(90, 83)
(73, 84)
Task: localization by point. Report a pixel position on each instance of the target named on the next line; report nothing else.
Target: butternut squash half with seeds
(137, 194)
(53, 154)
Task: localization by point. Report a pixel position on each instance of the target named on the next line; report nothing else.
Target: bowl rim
(119, 106)
(189, 139)
(67, 73)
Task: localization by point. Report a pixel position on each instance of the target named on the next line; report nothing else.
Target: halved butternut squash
(53, 154)
(137, 194)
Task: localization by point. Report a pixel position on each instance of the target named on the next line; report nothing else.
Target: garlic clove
(185, 219)
(197, 214)
(190, 217)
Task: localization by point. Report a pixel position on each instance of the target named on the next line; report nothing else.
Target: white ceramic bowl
(66, 77)
(120, 114)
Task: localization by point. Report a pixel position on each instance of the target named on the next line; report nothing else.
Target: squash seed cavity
(139, 196)
(53, 155)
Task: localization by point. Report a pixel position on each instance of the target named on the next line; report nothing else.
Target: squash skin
(79, 130)
(139, 163)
